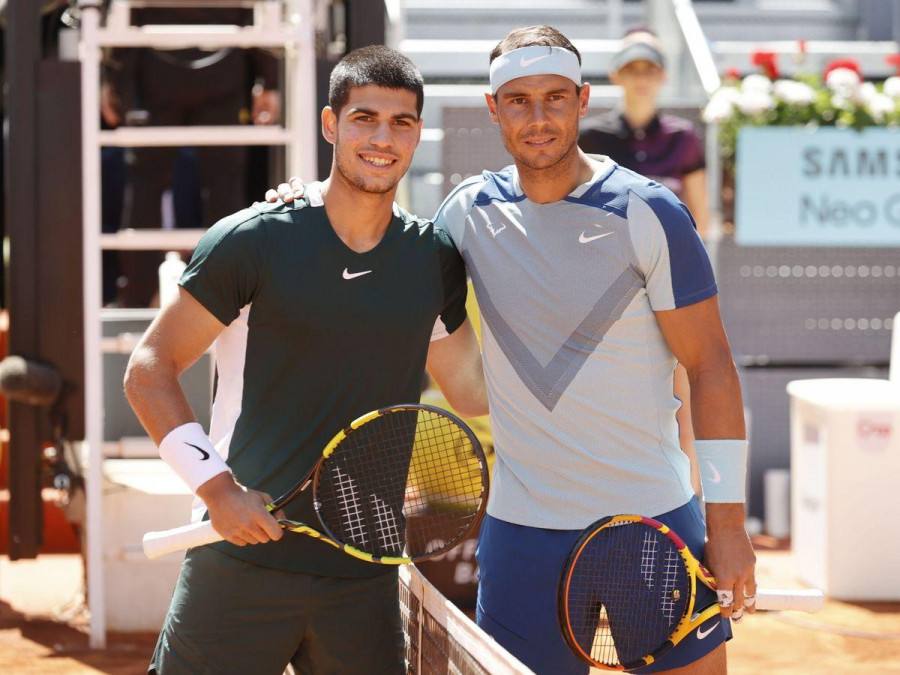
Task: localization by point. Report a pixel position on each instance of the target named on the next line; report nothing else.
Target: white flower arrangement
(721, 105)
(881, 107)
(841, 97)
(755, 102)
(865, 92)
(793, 92)
(844, 82)
(756, 83)
(892, 87)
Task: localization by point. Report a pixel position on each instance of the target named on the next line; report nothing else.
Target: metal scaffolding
(287, 25)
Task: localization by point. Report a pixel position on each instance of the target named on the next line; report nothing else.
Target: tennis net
(441, 640)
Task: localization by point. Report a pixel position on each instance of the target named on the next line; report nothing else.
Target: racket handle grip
(180, 539)
(804, 601)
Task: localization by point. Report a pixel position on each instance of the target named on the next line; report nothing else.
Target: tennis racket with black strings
(627, 593)
(386, 466)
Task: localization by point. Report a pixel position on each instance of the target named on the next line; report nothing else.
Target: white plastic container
(140, 495)
(170, 272)
(845, 473)
(777, 496)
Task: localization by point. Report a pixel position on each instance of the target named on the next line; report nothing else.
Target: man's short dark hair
(376, 65)
(543, 36)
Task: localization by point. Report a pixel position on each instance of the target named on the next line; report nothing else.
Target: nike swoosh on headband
(534, 60)
(524, 63)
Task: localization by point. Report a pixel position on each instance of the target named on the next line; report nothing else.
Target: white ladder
(277, 24)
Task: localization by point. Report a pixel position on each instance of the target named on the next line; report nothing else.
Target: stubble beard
(357, 181)
(548, 168)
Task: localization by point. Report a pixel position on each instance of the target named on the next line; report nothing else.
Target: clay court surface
(42, 631)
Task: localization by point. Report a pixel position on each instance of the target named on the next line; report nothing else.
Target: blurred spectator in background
(662, 147)
(179, 88)
(637, 136)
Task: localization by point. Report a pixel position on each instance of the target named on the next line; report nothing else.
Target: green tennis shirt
(317, 334)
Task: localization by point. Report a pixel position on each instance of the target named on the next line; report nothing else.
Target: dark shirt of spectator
(665, 150)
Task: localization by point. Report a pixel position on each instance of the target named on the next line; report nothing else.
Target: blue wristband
(723, 470)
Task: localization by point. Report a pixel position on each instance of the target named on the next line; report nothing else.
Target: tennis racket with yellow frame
(627, 593)
(386, 466)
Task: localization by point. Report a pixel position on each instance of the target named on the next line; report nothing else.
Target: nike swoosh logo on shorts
(716, 477)
(701, 634)
(524, 63)
(348, 275)
(585, 240)
(202, 451)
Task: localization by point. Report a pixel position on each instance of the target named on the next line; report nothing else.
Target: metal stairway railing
(287, 25)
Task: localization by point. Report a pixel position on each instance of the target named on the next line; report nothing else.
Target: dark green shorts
(231, 616)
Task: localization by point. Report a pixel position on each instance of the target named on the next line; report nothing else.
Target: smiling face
(374, 135)
(538, 117)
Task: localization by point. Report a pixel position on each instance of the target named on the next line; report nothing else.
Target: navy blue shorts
(518, 570)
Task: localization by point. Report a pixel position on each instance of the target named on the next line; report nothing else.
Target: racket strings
(347, 498)
(387, 525)
(627, 592)
(405, 484)
(673, 564)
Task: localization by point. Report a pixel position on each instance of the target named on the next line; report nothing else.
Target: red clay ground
(768, 643)
(34, 638)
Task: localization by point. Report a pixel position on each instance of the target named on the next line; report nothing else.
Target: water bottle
(170, 272)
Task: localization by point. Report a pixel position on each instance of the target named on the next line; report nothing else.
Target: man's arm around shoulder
(455, 364)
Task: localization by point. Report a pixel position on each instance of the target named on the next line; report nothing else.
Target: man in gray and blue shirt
(574, 356)
(591, 280)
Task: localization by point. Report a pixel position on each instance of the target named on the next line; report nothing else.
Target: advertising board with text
(818, 187)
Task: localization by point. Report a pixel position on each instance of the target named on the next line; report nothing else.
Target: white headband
(534, 60)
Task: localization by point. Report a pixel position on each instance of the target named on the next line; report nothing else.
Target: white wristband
(723, 470)
(188, 450)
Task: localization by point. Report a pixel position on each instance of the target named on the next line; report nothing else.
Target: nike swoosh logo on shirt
(585, 240)
(202, 451)
(701, 634)
(716, 476)
(348, 275)
(524, 63)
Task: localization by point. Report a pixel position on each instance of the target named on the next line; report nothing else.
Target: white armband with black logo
(723, 470)
(188, 450)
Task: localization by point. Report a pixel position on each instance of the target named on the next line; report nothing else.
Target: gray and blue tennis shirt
(579, 376)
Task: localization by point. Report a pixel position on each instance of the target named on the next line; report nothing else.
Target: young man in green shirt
(320, 311)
